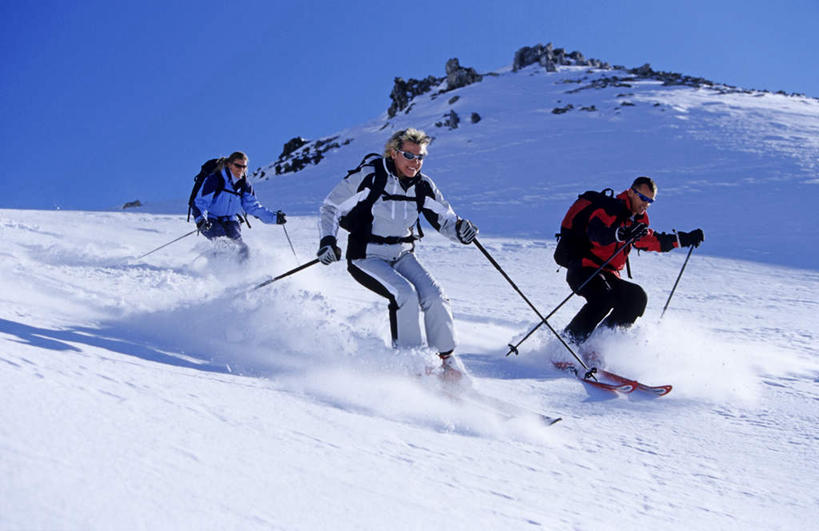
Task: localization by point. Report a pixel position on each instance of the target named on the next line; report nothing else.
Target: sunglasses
(411, 156)
(645, 198)
(242, 166)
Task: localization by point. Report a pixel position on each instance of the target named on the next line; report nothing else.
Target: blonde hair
(396, 141)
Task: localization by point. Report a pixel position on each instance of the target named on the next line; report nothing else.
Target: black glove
(328, 251)
(466, 231)
(635, 231)
(687, 239)
(280, 218)
(203, 225)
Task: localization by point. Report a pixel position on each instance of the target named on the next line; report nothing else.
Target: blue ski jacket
(222, 198)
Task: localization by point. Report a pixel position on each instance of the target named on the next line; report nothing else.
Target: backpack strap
(220, 184)
(377, 183)
(368, 159)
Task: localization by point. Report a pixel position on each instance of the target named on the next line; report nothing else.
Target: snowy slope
(742, 165)
(160, 394)
(157, 394)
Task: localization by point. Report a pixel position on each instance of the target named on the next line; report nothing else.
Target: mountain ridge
(298, 152)
(544, 137)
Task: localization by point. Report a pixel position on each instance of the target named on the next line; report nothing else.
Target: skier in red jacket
(611, 222)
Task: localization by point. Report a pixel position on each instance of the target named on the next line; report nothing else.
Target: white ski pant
(409, 289)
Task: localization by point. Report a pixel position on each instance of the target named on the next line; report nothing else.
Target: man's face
(238, 168)
(404, 166)
(639, 196)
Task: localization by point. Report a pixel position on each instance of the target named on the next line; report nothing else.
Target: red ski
(659, 390)
(614, 382)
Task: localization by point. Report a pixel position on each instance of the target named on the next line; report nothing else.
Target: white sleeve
(442, 210)
(339, 201)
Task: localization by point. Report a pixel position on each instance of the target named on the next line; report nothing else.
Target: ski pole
(291, 243)
(691, 250)
(514, 348)
(294, 270)
(167, 244)
(532, 306)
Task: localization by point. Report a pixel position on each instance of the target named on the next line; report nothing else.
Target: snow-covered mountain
(160, 393)
(740, 164)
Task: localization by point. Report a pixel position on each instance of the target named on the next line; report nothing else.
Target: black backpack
(208, 168)
(572, 241)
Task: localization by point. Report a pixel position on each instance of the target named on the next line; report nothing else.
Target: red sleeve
(660, 242)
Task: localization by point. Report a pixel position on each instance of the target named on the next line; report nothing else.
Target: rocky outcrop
(550, 58)
(641, 73)
(292, 145)
(298, 153)
(458, 76)
(450, 121)
(132, 204)
(670, 78)
(404, 91)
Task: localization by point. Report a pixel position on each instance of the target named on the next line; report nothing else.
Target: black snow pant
(606, 295)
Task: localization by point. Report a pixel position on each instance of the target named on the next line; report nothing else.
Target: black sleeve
(666, 240)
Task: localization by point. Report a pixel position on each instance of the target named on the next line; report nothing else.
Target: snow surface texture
(161, 394)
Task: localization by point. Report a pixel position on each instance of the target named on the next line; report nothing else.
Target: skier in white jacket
(379, 204)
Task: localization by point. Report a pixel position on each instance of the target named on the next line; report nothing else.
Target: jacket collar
(627, 206)
(236, 184)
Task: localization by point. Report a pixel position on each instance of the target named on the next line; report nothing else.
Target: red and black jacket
(604, 220)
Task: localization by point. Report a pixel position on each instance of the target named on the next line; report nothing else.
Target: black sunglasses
(410, 156)
(243, 166)
(643, 197)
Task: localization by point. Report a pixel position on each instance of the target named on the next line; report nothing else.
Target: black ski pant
(606, 295)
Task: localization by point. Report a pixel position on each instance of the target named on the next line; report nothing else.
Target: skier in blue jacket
(224, 194)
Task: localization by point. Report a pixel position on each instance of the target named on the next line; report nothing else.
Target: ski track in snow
(161, 394)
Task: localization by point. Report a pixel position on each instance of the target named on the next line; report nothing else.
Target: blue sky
(106, 102)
